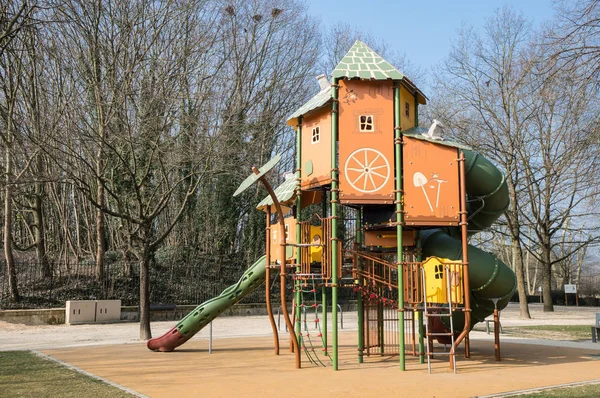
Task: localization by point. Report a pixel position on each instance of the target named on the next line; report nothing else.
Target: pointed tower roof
(360, 62)
(364, 63)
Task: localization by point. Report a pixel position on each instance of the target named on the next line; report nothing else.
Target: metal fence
(174, 283)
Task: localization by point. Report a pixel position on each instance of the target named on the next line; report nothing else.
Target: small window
(406, 109)
(366, 123)
(316, 135)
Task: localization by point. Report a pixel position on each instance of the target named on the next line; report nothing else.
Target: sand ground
(243, 363)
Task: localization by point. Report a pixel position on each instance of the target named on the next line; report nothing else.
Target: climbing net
(308, 287)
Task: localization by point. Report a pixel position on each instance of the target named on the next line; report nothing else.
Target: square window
(366, 123)
(406, 109)
(316, 135)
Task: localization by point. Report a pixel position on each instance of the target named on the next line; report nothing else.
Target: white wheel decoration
(367, 170)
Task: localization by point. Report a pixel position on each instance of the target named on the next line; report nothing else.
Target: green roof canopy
(284, 193)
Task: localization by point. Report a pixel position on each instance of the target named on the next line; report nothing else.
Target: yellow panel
(407, 105)
(316, 236)
(437, 271)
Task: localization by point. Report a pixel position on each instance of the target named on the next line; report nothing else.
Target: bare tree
(575, 38)
(14, 17)
(481, 95)
(560, 163)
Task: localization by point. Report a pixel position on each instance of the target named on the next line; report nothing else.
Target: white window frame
(366, 123)
(316, 135)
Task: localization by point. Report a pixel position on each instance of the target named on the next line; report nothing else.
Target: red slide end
(168, 341)
(437, 326)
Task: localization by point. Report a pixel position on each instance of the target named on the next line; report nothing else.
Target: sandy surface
(247, 367)
(243, 363)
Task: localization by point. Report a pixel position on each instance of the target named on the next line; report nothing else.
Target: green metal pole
(297, 286)
(419, 259)
(399, 219)
(334, 214)
(416, 111)
(420, 313)
(359, 283)
(323, 288)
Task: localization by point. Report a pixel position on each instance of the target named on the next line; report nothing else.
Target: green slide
(489, 278)
(209, 310)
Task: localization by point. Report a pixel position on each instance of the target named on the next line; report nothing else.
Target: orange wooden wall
(431, 183)
(318, 154)
(366, 159)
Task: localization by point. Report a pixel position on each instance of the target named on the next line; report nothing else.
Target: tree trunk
(547, 288)
(519, 270)
(547, 273)
(40, 235)
(145, 332)
(100, 211)
(512, 217)
(8, 253)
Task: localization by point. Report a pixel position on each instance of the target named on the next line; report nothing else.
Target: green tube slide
(193, 322)
(489, 278)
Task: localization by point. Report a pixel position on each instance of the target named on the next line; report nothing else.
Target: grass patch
(551, 332)
(24, 374)
(592, 390)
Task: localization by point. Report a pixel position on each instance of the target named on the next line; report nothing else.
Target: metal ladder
(447, 314)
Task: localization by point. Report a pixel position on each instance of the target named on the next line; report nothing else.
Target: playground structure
(380, 206)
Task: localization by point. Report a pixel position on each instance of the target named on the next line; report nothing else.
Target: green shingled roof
(284, 193)
(315, 102)
(362, 62)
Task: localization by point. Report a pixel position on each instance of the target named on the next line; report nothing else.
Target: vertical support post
(282, 246)
(210, 338)
(399, 220)
(496, 330)
(359, 283)
(334, 224)
(297, 287)
(268, 283)
(465, 259)
(420, 313)
(324, 289)
(416, 111)
(380, 324)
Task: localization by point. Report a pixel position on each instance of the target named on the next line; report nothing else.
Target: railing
(374, 269)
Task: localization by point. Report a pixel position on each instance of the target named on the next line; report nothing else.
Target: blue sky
(428, 26)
